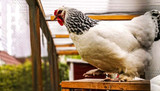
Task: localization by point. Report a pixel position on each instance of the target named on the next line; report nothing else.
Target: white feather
(117, 47)
(155, 83)
(114, 47)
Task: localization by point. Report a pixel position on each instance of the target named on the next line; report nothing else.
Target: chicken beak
(55, 18)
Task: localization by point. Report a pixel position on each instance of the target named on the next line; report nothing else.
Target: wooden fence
(37, 21)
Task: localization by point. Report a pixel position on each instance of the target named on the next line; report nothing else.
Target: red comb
(55, 12)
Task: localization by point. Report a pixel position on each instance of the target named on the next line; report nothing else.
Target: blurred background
(15, 49)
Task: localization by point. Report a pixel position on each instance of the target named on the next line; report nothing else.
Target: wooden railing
(107, 17)
(37, 21)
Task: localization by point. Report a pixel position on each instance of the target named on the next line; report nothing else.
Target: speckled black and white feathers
(114, 47)
(76, 22)
(156, 18)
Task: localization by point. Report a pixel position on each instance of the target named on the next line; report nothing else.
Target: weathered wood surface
(65, 89)
(61, 36)
(35, 48)
(65, 45)
(68, 52)
(112, 17)
(107, 17)
(52, 55)
(101, 85)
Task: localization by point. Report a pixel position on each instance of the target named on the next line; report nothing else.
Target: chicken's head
(74, 20)
(60, 15)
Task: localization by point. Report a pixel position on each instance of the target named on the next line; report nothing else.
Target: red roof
(4, 56)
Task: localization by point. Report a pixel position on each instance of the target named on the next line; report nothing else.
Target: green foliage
(73, 56)
(19, 78)
(16, 78)
(63, 72)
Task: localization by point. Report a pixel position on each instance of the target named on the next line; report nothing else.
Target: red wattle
(60, 21)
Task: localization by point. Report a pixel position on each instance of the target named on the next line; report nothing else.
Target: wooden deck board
(101, 85)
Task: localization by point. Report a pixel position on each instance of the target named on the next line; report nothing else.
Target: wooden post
(35, 48)
(52, 56)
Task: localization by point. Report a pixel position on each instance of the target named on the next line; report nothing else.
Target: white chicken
(114, 48)
(155, 83)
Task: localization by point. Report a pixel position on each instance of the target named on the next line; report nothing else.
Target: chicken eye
(60, 11)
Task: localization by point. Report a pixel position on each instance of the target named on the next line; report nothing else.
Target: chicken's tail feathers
(156, 18)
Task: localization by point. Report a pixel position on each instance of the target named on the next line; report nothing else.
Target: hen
(121, 48)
